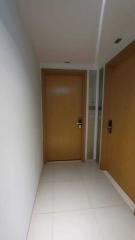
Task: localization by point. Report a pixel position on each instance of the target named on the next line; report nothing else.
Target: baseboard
(64, 161)
(91, 159)
(70, 161)
(125, 197)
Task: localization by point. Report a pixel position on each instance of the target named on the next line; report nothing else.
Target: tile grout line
(74, 210)
(100, 230)
(54, 214)
(80, 210)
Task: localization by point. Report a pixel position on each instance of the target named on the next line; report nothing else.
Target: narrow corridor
(75, 201)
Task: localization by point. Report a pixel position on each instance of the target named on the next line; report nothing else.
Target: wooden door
(63, 109)
(118, 147)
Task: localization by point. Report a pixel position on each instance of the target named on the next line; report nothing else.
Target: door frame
(84, 100)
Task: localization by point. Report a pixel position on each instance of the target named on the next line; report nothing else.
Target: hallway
(75, 201)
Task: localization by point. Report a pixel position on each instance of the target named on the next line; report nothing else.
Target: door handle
(79, 123)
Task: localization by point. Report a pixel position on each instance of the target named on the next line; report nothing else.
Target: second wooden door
(118, 135)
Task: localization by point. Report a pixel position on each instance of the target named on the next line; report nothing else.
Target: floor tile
(101, 193)
(90, 170)
(76, 201)
(117, 223)
(41, 227)
(76, 226)
(44, 199)
(67, 172)
(48, 173)
(70, 196)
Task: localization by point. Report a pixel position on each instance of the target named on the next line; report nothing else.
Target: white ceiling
(63, 30)
(118, 21)
(68, 30)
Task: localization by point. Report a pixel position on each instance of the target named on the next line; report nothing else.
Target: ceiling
(69, 30)
(118, 22)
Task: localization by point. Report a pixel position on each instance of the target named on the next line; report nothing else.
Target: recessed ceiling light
(67, 62)
(118, 40)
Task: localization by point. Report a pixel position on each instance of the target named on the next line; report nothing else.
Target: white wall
(20, 126)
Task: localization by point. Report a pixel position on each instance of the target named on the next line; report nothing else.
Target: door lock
(109, 126)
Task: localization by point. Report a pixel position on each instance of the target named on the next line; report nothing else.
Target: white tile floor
(75, 201)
